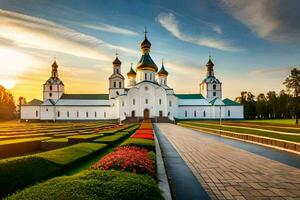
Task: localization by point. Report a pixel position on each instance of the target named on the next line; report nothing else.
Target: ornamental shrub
(132, 159)
(94, 185)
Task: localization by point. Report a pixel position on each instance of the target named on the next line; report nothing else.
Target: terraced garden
(77, 161)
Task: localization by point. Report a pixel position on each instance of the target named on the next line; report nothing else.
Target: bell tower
(116, 80)
(211, 87)
(53, 87)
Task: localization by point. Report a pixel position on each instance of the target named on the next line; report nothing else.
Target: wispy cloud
(171, 24)
(37, 33)
(274, 20)
(109, 28)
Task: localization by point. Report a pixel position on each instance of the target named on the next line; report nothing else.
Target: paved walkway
(227, 172)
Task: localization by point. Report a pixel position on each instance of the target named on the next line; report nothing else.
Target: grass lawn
(244, 130)
(272, 121)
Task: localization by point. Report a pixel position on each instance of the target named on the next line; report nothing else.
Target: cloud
(170, 23)
(109, 28)
(276, 20)
(36, 33)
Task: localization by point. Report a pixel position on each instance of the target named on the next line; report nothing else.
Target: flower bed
(145, 131)
(132, 159)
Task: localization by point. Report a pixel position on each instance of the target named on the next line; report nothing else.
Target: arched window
(146, 77)
(204, 114)
(120, 84)
(228, 113)
(214, 94)
(170, 103)
(214, 86)
(36, 113)
(133, 101)
(146, 101)
(95, 114)
(117, 70)
(185, 113)
(87, 114)
(123, 103)
(150, 77)
(104, 114)
(115, 84)
(50, 94)
(68, 114)
(77, 114)
(50, 87)
(195, 113)
(58, 114)
(159, 101)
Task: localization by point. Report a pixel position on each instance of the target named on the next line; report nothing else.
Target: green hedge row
(110, 140)
(68, 156)
(139, 142)
(84, 138)
(94, 184)
(20, 146)
(16, 173)
(20, 172)
(54, 143)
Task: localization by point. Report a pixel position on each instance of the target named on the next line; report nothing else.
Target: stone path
(226, 172)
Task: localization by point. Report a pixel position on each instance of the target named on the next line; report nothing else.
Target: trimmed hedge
(18, 173)
(84, 138)
(68, 156)
(20, 146)
(92, 185)
(139, 142)
(112, 139)
(54, 143)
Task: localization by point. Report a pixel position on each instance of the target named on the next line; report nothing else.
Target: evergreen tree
(7, 104)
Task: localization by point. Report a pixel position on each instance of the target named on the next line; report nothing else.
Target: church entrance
(146, 114)
(133, 113)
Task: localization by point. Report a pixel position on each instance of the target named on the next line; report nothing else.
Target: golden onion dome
(210, 63)
(163, 71)
(146, 63)
(116, 62)
(131, 72)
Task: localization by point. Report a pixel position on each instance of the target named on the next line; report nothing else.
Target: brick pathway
(226, 172)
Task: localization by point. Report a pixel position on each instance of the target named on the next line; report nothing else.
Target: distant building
(147, 95)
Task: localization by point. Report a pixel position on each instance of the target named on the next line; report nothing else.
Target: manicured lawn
(244, 130)
(94, 184)
(272, 121)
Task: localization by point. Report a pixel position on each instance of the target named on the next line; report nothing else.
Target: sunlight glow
(8, 84)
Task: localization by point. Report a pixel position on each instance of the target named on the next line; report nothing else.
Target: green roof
(213, 101)
(85, 96)
(229, 102)
(146, 61)
(34, 102)
(189, 96)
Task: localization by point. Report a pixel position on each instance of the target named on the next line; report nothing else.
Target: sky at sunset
(254, 44)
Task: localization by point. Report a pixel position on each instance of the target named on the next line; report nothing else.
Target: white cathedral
(147, 95)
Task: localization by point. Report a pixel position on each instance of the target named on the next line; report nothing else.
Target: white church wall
(234, 112)
(30, 112)
(84, 113)
(47, 112)
(194, 112)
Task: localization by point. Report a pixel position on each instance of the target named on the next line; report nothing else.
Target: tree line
(284, 104)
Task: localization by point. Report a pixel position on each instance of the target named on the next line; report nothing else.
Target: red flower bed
(144, 136)
(132, 159)
(145, 131)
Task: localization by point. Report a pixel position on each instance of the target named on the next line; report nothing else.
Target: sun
(8, 84)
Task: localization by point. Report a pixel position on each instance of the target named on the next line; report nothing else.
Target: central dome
(146, 62)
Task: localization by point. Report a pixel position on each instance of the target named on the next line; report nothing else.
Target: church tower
(211, 87)
(131, 75)
(54, 87)
(146, 68)
(116, 80)
(162, 75)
